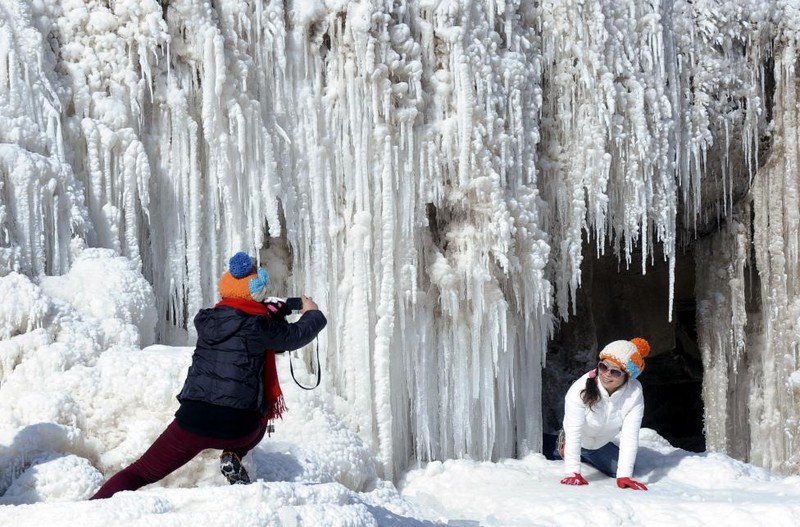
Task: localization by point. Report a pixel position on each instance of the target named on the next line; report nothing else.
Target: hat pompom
(258, 285)
(241, 265)
(642, 345)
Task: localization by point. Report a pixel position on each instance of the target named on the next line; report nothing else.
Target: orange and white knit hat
(244, 280)
(627, 354)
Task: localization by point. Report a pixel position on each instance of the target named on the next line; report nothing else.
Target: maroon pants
(174, 448)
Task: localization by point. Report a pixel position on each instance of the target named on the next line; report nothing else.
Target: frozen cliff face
(426, 170)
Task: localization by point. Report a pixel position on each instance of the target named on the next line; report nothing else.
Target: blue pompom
(259, 282)
(241, 265)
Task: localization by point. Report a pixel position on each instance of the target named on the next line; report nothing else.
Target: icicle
(386, 314)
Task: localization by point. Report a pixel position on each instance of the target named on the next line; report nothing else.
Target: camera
(294, 303)
(289, 304)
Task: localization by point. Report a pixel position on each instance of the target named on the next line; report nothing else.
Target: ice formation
(428, 171)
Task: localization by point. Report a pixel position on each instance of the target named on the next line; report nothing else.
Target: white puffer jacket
(617, 414)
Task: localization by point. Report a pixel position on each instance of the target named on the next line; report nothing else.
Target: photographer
(231, 390)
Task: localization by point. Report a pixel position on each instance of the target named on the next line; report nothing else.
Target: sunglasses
(613, 372)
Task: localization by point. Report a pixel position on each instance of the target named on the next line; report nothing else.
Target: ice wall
(750, 346)
(426, 170)
(41, 205)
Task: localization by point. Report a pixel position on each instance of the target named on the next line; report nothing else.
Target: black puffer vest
(229, 357)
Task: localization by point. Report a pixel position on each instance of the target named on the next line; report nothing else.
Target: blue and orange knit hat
(627, 354)
(243, 279)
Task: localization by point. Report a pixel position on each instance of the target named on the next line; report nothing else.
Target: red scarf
(273, 396)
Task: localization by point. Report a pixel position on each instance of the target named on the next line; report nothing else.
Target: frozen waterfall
(429, 172)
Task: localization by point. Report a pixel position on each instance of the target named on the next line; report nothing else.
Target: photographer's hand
(308, 304)
(277, 310)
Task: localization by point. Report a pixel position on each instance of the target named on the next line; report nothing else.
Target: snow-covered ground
(80, 399)
(298, 467)
(314, 472)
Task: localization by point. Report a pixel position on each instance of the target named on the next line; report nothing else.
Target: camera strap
(319, 370)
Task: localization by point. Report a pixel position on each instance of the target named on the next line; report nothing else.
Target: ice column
(215, 174)
(720, 286)
(775, 412)
(750, 391)
(41, 203)
(417, 213)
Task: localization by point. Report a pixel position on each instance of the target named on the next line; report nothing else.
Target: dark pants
(604, 459)
(174, 448)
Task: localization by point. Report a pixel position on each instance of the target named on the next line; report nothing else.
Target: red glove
(628, 483)
(574, 479)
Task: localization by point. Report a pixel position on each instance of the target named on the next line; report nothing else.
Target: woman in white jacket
(602, 404)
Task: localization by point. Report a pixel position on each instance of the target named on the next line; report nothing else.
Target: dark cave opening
(617, 303)
(673, 387)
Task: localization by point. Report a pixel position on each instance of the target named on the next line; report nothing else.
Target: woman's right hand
(308, 304)
(628, 483)
(574, 479)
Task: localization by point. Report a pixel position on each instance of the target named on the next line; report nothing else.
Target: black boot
(231, 467)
